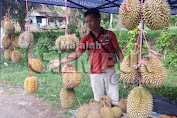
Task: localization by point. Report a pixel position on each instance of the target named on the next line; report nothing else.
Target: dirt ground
(16, 103)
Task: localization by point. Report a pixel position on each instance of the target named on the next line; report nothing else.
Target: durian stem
(79, 103)
(122, 96)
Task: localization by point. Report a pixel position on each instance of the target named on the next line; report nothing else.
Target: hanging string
(126, 5)
(66, 32)
(27, 20)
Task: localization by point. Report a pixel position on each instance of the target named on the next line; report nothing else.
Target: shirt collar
(102, 32)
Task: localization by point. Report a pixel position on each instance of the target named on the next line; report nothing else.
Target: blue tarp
(108, 6)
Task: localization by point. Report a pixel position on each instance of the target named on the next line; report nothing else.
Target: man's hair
(95, 12)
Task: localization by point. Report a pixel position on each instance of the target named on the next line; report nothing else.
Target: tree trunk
(111, 18)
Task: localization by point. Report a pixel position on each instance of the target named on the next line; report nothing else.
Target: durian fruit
(16, 57)
(31, 84)
(8, 27)
(94, 106)
(94, 114)
(68, 68)
(26, 40)
(6, 42)
(139, 103)
(67, 98)
(7, 54)
(123, 104)
(156, 14)
(82, 111)
(106, 100)
(153, 71)
(130, 19)
(71, 79)
(2, 23)
(67, 43)
(128, 72)
(36, 65)
(106, 112)
(15, 41)
(117, 112)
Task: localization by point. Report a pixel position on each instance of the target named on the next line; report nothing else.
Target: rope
(126, 5)
(66, 33)
(27, 20)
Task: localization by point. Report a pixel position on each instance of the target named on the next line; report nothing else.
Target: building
(42, 17)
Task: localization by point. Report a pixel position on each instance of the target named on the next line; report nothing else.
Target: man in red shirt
(101, 45)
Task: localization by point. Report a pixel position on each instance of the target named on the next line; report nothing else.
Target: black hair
(95, 12)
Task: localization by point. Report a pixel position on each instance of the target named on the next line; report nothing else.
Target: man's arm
(71, 57)
(119, 53)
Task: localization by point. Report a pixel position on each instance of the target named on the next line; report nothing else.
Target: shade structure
(108, 6)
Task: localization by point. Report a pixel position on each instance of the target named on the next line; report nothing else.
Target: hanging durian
(67, 43)
(36, 65)
(31, 84)
(6, 42)
(26, 40)
(8, 27)
(156, 14)
(153, 71)
(7, 54)
(67, 98)
(16, 57)
(139, 103)
(15, 41)
(130, 19)
(128, 73)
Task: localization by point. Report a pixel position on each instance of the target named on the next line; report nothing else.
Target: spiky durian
(71, 79)
(67, 98)
(3, 22)
(130, 19)
(82, 111)
(16, 57)
(67, 43)
(106, 100)
(26, 40)
(8, 27)
(36, 65)
(117, 112)
(106, 112)
(94, 114)
(139, 103)
(7, 54)
(153, 71)
(156, 14)
(128, 72)
(15, 41)
(31, 84)
(94, 105)
(6, 42)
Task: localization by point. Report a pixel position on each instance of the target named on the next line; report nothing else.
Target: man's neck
(97, 31)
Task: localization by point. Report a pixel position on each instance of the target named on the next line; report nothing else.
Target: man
(102, 66)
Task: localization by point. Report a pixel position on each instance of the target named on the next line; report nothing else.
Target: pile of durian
(101, 109)
(156, 14)
(71, 79)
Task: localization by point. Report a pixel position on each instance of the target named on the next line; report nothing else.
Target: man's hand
(55, 63)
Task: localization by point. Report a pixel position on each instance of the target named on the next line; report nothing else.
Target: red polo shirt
(99, 58)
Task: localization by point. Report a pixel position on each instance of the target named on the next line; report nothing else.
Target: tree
(17, 10)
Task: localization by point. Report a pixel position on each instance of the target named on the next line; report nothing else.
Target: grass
(50, 80)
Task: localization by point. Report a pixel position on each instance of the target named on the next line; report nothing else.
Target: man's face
(92, 22)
